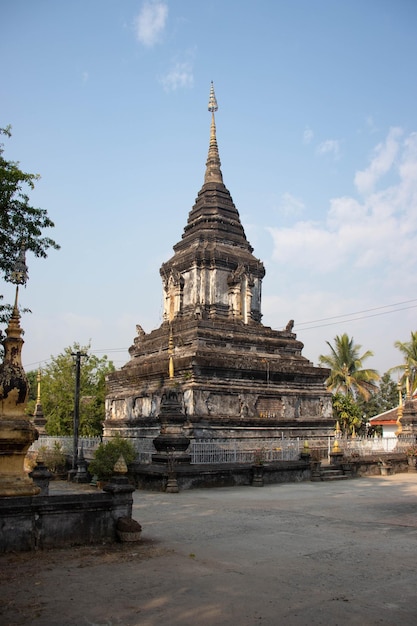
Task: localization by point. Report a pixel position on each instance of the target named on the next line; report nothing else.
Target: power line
(107, 350)
(45, 361)
(386, 306)
(353, 319)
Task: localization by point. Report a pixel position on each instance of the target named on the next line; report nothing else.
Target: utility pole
(77, 356)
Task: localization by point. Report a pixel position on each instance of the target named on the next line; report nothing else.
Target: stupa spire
(14, 342)
(213, 172)
(17, 433)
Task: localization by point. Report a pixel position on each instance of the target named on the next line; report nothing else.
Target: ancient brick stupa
(236, 377)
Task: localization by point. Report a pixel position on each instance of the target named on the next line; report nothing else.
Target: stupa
(235, 377)
(17, 432)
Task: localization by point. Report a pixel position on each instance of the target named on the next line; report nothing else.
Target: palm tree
(347, 374)
(409, 367)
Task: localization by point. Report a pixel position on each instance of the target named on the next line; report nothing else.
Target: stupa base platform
(154, 477)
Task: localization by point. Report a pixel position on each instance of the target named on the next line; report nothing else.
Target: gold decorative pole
(171, 354)
(399, 411)
(407, 383)
(38, 379)
(38, 416)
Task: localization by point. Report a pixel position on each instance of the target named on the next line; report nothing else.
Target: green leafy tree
(382, 400)
(347, 412)
(409, 352)
(108, 453)
(19, 221)
(32, 377)
(347, 373)
(58, 391)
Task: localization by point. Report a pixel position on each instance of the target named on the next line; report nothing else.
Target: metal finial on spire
(212, 105)
(19, 274)
(213, 172)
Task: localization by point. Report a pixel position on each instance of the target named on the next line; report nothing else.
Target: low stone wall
(155, 476)
(286, 472)
(370, 466)
(38, 522)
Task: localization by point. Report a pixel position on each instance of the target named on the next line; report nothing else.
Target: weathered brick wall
(39, 522)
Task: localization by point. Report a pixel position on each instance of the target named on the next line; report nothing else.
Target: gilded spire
(213, 171)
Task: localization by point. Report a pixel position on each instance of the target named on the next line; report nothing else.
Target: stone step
(328, 473)
(335, 477)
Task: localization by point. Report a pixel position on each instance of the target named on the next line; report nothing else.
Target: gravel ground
(340, 553)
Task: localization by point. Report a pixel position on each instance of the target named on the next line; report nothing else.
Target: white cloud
(384, 155)
(330, 146)
(371, 124)
(290, 205)
(181, 75)
(151, 22)
(308, 135)
(304, 244)
(377, 234)
(85, 77)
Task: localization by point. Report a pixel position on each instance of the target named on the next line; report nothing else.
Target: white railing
(244, 451)
(240, 451)
(144, 450)
(371, 446)
(66, 444)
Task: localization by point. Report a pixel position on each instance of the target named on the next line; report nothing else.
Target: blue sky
(317, 133)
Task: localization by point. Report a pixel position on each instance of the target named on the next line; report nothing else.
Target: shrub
(107, 454)
(54, 458)
(411, 451)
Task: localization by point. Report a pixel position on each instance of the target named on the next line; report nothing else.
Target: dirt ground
(340, 553)
(73, 586)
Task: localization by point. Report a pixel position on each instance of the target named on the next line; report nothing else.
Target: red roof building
(388, 420)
